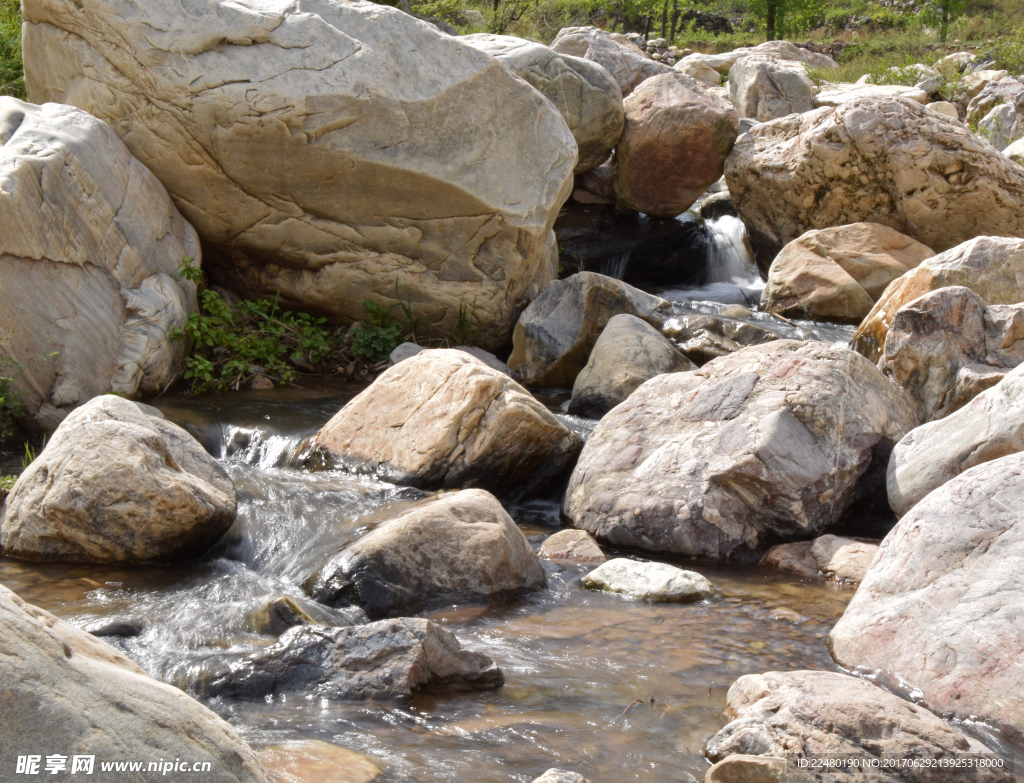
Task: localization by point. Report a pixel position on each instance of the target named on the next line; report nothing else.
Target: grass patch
(12, 73)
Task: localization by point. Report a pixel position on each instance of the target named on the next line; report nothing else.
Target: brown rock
(577, 546)
(674, 144)
(749, 769)
(305, 761)
(837, 274)
(835, 557)
(704, 337)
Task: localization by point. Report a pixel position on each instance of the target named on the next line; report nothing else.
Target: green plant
(465, 324)
(376, 337)
(12, 71)
(31, 453)
(7, 483)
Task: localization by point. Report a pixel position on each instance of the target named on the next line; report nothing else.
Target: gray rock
(584, 93)
(556, 333)
(455, 548)
(389, 660)
(764, 88)
(628, 352)
(773, 442)
(114, 485)
(65, 692)
(746, 123)
(623, 59)
(716, 205)
(989, 427)
(704, 337)
(649, 581)
(810, 715)
(408, 350)
(939, 609)
(997, 111)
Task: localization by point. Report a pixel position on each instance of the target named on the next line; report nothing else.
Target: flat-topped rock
(649, 581)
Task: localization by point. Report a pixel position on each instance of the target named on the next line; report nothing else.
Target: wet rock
(838, 94)
(561, 776)
(388, 660)
(946, 347)
(705, 337)
(623, 59)
(443, 418)
(648, 581)
(939, 609)
(885, 161)
(674, 143)
(240, 109)
(557, 332)
(835, 557)
(628, 352)
(303, 761)
(990, 266)
(408, 350)
(68, 693)
(117, 629)
(765, 88)
(584, 93)
(116, 486)
(717, 205)
(989, 427)
(460, 547)
(97, 287)
(773, 442)
(576, 546)
(837, 274)
(287, 611)
(750, 769)
(809, 715)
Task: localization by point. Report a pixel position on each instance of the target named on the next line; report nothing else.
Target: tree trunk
(664, 18)
(770, 21)
(675, 19)
(944, 28)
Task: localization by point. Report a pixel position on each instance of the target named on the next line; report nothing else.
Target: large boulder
(940, 607)
(67, 693)
(780, 50)
(696, 67)
(835, 557)
(837, 274)
(998, 111)
(584, 93)
(892, 162)
(114, 485)
(773, 442)
(945, 347)
(764, 88)
(623, 59)
(838, 94)
(628, 352)
(810, 715)
(989, 427)
(329, 154)
(456, 548)
(556, 333)
(443, 418)
(389, 660)
(674, 144)
(992, 267)
(90, 247)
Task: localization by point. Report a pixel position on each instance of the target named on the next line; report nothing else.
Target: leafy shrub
(12, 72)
(7, 483)
(375, 337)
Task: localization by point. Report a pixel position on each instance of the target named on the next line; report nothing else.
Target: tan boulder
(114, 485)
(837, 94)
(326, 156)
(557, 332)
(780, 50)
(939, 609)
(764, 88)
(443, 418)
(576, 546)
(584, 93)
(696, 67)
(460, 547)
(89, 253)
(674, 143)
(836, 557)
(623, 59)
(302, 761)
(992, 267)
(742, 768)
(67, 693)
(628, 352)
(837, 274)
(892, 162)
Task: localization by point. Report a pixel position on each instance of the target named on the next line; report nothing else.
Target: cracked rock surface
(335, 152)
(90, 246)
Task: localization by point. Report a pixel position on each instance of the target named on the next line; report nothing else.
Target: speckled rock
(623, 59)
(649, 581)
(773, 442)
(939, 609)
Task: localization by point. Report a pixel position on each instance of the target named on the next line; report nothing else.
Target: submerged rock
(992, 267)
(811, 715)
(892, 162)
(584, 93)
(116, 486)
(326, 156)
(649, 581)
(837, 274)
(388, 660)
(556, 333)
(628, 352)
(561, 776)
(939, 610)
(835, 557)
(443, 418)
(303, 761)
(770, 443)
(674, 143)
(623, 59)
(989, 427)
(89, 256)
(576, 546)
(66, 693)
(287, 611)
(455, 548)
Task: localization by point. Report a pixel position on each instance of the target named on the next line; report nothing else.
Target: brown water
(576, 662)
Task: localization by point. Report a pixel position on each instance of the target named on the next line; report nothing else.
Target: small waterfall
(729, 259)
(614, 265)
